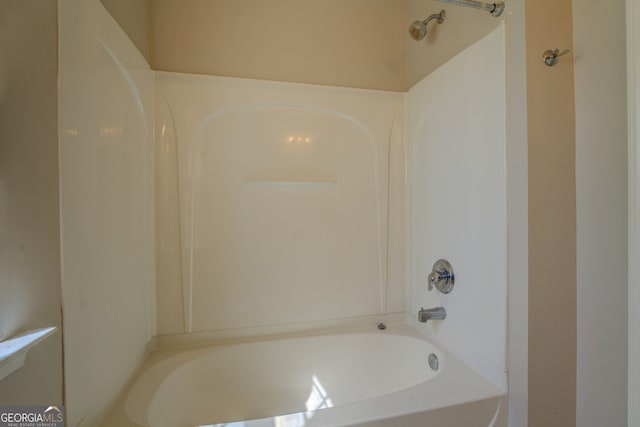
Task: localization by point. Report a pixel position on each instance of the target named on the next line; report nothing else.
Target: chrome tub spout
(437, 313)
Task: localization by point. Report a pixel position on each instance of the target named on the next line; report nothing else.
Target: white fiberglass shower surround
(283, 200)
(290, 220)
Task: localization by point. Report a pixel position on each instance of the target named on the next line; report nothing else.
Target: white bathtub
(367, 378)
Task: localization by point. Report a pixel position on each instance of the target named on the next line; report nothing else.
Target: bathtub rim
(151, 397)
(473, 385)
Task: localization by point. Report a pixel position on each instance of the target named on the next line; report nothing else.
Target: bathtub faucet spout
(437, 313)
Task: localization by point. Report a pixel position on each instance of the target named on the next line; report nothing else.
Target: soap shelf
(13, 351)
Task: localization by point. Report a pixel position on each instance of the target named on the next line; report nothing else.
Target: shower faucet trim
(437, 313)
(441, 277)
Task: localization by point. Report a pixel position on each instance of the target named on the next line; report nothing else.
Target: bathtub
(369, 377)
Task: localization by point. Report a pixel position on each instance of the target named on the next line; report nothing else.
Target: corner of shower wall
(275, 203)
(456, 161)
(169, 257)
(397, 297)
(106, 107)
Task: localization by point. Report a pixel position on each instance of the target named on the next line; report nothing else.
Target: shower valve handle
(441, 277)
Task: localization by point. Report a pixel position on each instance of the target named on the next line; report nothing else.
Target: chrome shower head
(418, 30)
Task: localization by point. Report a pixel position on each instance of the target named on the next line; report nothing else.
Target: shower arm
(437, 16)
(495, 9)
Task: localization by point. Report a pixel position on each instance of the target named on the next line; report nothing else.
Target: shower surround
(283, 192)
(280, 207)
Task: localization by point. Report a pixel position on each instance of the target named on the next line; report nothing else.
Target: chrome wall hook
(550, 57)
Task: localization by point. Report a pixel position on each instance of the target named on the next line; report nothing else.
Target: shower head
(418, 30)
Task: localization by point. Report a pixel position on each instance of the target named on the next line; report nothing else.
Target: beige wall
(356, 43)
(133, 17)
(552, 217)
(633, 94)
(461, 28)
(29, 231)
(360, 43)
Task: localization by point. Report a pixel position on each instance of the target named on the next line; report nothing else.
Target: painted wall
(601, 187)
(552, 217)
(133, 17)
(633, 80)
(29, 220)
(107, 207)
(461, 28)
(359, 43)
(283, 195)
(355, 44)
(456, 154)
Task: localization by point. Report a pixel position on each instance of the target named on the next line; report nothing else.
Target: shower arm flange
(498, 9)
